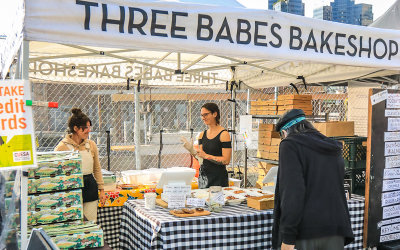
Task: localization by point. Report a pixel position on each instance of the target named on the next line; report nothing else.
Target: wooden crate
(266, 127)
(255, 202)
(294, 97)
(335, 128)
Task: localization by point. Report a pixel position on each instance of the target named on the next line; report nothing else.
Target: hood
(68, 140)
(317, 142)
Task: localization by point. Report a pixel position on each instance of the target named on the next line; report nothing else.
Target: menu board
(382, 208)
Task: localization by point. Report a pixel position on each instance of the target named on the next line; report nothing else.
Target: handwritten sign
(194, 202)
(390, 198)
(177, 189)
(218, 198)
(392, 161)
(393, 101)
(392, 148)
(391, 185)
(176, 201)
(389, 237)
(392, 136)
(17, 147)
(393, 124)
(389, 229)
(388, 222)
(391, 173)
(392, 112)
(378, 97)
(391, 211)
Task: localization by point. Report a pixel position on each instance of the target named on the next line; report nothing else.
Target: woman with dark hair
(310, 209)
(214, 147)
(79, 126)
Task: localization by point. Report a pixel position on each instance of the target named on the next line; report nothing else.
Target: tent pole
(137, 128)
(24, 176)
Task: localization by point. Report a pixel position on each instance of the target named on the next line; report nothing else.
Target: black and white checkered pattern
(236, 227)
(356, 209)
(109, 219)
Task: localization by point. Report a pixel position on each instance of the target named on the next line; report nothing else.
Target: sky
(378, 6)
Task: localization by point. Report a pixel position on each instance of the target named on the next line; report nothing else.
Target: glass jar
(216, 199)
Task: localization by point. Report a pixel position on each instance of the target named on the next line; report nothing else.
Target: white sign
(387, 222)
(392, 136)
(218, 198)
(378, 97)
(389, 229)
(393, 101)
(246, 128)
(393, 124)
(16, 127)
(195, 202)
(216, 30)
(392, 148)
(390, 198)
(390, 185)
(392, 112)
(177, 189)
(176, 201)
(391, 211)
(391, 173)
(389, 237)
(393, 161)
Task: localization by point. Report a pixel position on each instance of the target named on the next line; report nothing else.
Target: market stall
(262, 35)
(235, 226)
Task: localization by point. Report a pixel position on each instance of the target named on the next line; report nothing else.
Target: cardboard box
(295, 97)
(49, 184)
(266, 127)
(268, 134)
(335, 128)
(39, 202)
(262, 154)
(75, 235)
(275, 141)
(57, 167)
(259, 203)
(47, 216)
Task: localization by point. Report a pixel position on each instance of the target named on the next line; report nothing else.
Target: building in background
(290, 6)
(323, 13)
(363, 14)
(345, 11)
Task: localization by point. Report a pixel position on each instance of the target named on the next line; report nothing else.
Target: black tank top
(212, 146)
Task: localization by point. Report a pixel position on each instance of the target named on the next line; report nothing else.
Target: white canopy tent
(268, 48)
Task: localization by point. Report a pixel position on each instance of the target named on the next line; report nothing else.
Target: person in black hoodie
(310, 206)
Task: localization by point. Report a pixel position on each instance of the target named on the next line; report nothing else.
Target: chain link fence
(173, 110)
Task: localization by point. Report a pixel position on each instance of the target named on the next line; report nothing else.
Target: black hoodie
(309, 197)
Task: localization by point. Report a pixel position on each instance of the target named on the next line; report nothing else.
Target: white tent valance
(217, 30)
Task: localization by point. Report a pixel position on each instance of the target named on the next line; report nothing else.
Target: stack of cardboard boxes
(268, 142)
(55, 196)
(287, 102)
(263, 107)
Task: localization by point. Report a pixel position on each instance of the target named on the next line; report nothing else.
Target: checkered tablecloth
(109, 219)
(356, 209)
(236, 227)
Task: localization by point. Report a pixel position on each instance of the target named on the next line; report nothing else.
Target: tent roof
(390, 19)
(254, 68)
